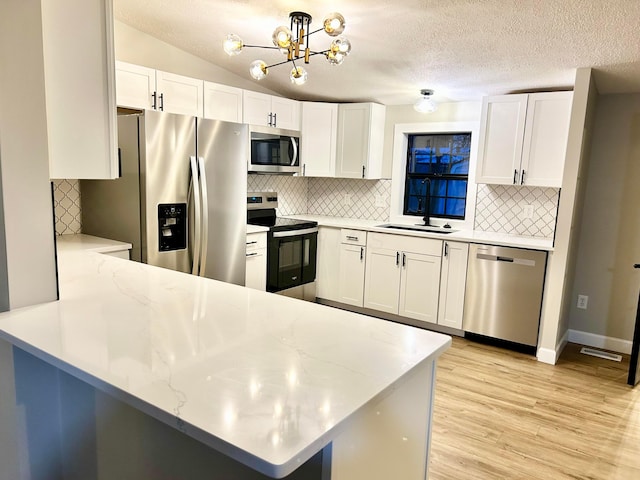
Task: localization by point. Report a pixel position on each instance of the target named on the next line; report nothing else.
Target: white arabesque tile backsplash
(498, 207)
(66, 206)
(350, 198)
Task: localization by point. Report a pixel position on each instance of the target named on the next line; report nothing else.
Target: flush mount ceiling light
(293, 42)
(426, 103)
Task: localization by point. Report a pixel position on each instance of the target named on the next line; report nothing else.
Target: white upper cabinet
(135, 86)
(80, 89)
(318, 146)
(360, 140)
(179, 94)
(271, 111)
(146, 88)
(523, 139)
(222, 102)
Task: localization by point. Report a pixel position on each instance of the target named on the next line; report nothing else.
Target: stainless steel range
(291, 247)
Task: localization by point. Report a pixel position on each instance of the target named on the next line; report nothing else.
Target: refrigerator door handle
(197, 228)
(205, 216)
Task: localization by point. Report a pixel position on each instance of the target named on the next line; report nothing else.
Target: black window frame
(433, 178)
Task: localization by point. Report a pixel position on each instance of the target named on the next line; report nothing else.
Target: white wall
(610, 240)
(133, 46)
(26, 191)
(557, 290)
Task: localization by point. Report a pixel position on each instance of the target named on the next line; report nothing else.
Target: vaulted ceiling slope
(462, 49)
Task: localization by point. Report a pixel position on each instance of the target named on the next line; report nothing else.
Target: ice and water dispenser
(172, 226)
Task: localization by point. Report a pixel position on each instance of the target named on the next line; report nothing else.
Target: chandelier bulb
(232, 44)
(341, 45)
(334, 24)
(282, 38)
(258, 69)
(298, 76)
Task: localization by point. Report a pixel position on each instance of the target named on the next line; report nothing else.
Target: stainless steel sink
(418, 228)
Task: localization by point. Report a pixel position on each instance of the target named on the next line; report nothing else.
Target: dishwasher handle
(500, 258)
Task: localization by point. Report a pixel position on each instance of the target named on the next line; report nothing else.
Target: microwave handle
(294, 158)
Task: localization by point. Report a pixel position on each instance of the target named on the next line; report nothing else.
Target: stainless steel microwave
(274, 150)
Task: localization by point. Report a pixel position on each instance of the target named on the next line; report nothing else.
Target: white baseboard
(547, 355)
(600, 341)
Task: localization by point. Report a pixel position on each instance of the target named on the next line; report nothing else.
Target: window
(437, 174)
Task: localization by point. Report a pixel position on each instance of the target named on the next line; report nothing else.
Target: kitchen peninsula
(143, 372)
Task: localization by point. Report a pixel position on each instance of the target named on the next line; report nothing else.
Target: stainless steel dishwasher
(504, 293)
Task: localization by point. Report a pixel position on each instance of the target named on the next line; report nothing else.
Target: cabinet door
(222, 102)
(135, 86)
(286, 113)
(318, 146)
(256, 108)
(256, 269)
(80, 89)
(327, 265)
(351, 281)
(419, 287)
(453, 281)
(545, 138)
(179, 94)
(353, 140)
(382, 279)
(501, 138)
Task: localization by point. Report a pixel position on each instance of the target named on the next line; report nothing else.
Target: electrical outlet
(527, 211)
(380, 202)
(346, 200)
(582, 302)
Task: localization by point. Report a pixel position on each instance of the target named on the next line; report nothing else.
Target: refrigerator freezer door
(223, 150)
(167, 141)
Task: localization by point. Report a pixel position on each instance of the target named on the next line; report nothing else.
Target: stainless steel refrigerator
(181, 198)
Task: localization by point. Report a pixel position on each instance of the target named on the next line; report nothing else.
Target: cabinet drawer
(256, 241)
(353, 237)
(426, 246)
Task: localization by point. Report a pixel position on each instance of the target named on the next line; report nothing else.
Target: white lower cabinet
(256, 266)
(403, 276)
(352, 267)
(453, 280)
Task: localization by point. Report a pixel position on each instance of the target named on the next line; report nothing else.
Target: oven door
(291, 258)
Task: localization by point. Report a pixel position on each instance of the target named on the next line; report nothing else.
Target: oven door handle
(295, 233)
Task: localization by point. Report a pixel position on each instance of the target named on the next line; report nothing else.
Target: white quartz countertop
(80, 241)
(256, 229)
(472, 236)
(266, 379)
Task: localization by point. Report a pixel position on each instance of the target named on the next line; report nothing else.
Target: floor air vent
(601, 354)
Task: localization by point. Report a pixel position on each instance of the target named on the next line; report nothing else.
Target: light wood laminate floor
(499, 414)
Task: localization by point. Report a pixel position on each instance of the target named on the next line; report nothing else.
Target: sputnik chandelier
(293, 41)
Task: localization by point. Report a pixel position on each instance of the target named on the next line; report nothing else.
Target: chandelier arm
(281, 63)
(260, 46)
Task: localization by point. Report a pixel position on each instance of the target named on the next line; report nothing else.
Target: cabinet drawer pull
(352, 238)
(252, 243)
(252, 254)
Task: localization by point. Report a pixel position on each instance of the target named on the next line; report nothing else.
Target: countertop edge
(475, 236)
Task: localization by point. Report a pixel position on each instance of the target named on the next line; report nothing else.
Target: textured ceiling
(462, 49)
